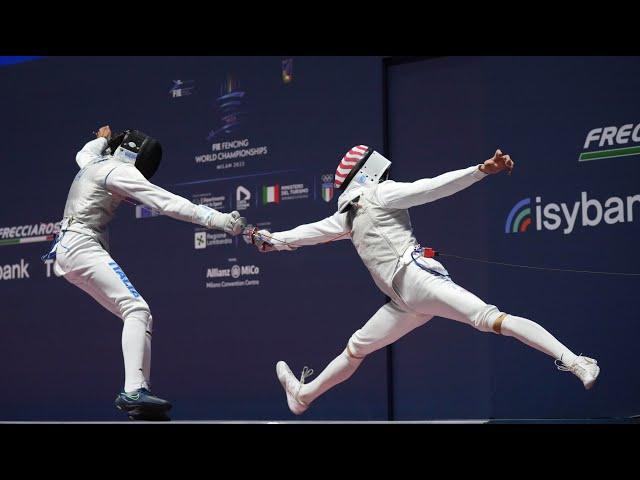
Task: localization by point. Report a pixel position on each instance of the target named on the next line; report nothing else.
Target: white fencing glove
(231, 223)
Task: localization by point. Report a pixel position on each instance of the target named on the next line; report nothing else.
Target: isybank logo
(585, 212)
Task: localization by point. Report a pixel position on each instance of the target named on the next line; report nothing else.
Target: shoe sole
(146, 408)
(591, 383)
(286, 369)
(148, 415)
(283, 382)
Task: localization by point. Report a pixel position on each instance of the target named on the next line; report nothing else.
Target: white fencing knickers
(421, 295)
(86, 264)
(425, 295)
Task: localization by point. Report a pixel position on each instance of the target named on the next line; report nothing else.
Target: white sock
(532, 334)
(133, 350)
(340, 369)
(146, 361)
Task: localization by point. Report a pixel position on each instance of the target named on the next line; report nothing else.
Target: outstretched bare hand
(497, 163)
(104, 132)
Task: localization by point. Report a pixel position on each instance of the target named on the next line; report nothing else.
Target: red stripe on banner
(276, 193)
(342, 176)
(525, 224)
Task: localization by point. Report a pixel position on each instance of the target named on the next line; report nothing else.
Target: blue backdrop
(263, 135)
(447, 113)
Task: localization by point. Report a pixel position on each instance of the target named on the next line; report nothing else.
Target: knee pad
(133, 306)
(142, 316)
(488, 319)
(356, 349)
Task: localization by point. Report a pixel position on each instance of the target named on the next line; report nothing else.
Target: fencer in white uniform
(373, 213)
(109, 173)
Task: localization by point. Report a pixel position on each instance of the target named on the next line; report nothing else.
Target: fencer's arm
(329, 229)
(127, 181)
(405, 195)
(91, 151)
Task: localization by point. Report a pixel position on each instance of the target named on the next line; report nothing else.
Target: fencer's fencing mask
(363, 165)
(133, 146)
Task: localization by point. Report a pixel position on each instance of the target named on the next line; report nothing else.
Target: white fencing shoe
(585, 368)
(292, 386)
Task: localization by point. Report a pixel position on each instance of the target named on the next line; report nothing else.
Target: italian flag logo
(271, 194)
(18, 241)
(327, 191)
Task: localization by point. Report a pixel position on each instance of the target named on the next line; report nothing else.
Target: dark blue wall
(447, 113)
(214, 350)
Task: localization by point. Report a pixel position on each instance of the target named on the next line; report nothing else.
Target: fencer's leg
(109, 285)
(93, 270)
(300, 395)
(146, 362)
(339, 369)
(386, 326)
(534, 335)
(107, 288)
(134, 333)
(136, 399)
(442, 297)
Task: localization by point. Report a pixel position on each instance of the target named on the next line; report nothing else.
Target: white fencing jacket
(103, 182)
(378, 222)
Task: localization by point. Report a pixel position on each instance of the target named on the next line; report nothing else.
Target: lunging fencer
(373, 213)
(112, 169)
